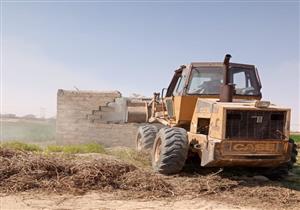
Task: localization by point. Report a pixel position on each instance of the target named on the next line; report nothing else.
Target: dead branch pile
(238, 191)
(204, 185)
(266, 194)
(20, 171)
(145, 182)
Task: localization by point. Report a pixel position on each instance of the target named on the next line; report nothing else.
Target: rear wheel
(170, 150)
(283, 170)
(293, 155)
(145, 137)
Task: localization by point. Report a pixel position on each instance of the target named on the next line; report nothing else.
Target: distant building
(29, 116)
(8, 116)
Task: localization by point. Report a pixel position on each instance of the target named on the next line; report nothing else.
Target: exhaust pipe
(227, 88)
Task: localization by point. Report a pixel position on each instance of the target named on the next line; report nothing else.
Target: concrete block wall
(85, 116)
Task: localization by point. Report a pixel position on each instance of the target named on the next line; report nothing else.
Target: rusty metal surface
(247, 162)
(226, 93)
(137, 112)
(253, 148)
(227, 89)
(247, 154)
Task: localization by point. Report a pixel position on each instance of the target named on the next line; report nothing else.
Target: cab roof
(219, 64)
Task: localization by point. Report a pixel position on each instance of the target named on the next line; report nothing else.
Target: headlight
(262, 104)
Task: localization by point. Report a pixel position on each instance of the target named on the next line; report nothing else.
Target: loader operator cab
(204, 79)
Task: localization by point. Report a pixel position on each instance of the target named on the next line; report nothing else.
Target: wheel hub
(157, 150)
(139, 143)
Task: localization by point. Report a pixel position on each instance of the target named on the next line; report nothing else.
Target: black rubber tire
(293, 155)
(283, 170)
(145, 137)
(170, 150)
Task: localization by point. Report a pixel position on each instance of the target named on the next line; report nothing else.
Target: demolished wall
(89, 116)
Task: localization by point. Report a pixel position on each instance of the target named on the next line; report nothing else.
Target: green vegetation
(21, 146)
(28, 130)
(296, 138)
(75, 149)
(125, 154)
(68, 149)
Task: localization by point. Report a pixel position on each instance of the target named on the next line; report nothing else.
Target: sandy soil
(105, 201)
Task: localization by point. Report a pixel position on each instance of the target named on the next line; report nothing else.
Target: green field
(296, 138)
(28, 130)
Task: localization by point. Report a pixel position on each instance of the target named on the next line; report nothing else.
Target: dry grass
(23, 171)
(139, 159)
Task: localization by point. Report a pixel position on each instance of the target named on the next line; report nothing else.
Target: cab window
(179, 86)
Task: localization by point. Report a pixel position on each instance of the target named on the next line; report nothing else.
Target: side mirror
(162, 92)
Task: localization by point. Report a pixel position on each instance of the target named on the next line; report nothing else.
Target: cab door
(172, 100)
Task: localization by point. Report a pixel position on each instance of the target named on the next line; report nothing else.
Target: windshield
(208, 81)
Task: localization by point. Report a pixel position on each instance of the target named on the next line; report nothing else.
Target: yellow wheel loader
(214, 110)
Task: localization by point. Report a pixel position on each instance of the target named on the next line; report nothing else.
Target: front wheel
(170, 150)
(145, 137)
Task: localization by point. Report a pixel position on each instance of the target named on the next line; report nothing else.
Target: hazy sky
(134, 47)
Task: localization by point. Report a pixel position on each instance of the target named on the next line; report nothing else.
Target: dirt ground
(105, 201)
(100, 181)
